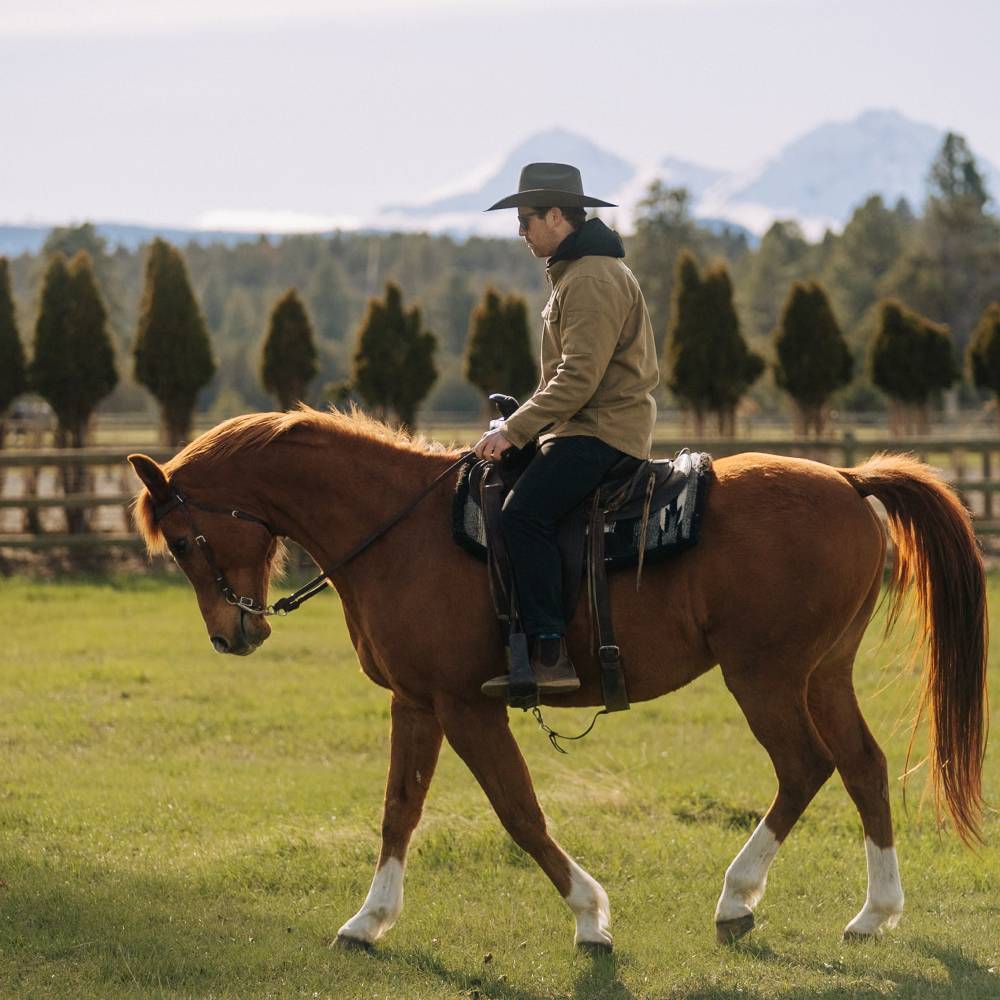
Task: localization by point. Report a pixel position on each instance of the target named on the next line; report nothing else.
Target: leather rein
(286, 605)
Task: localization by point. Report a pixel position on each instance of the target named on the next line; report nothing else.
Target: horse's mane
(255, 430)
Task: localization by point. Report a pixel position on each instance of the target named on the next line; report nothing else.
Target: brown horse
(778, 593)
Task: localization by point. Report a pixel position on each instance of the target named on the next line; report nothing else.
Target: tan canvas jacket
(598, 360)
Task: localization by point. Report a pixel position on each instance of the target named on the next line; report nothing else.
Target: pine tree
(813, 357)
(73, 367)
(663, 230)
(173, 355)
(736, 367)
(984, 352)
(288, 359)
(954, 174)
(911, 360)
(13, 370)
(709, 364)
(394, 359)
(499, 356)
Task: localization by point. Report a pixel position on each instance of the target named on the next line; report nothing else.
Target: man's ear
(152, 477)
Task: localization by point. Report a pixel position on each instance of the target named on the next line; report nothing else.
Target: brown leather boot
(550, 663)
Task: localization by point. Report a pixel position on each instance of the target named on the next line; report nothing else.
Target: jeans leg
(560, 477)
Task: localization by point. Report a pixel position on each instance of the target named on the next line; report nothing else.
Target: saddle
(643, 510)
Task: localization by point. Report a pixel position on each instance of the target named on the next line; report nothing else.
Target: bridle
(286, 605)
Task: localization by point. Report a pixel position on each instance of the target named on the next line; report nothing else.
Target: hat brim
(538, 197)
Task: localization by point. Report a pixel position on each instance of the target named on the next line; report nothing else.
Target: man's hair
(575, 216)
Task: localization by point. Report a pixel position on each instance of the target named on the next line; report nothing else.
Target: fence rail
(33, 499)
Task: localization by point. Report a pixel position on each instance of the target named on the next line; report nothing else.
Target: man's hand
(492, 445)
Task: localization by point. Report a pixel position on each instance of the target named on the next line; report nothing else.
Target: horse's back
(789, 554)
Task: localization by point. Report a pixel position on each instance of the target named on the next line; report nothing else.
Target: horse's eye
(179, 546)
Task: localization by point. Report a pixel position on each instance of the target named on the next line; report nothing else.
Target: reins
(286, 605)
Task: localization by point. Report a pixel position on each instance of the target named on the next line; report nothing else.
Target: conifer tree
(813, 359)
(73, 367)
(499, 356)
(13, 370)
(288, 359)
(708, 362)
(911, 360)
(173, 355)
(984, 352)
(394, 359)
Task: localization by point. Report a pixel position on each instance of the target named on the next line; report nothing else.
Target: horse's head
(227, 555)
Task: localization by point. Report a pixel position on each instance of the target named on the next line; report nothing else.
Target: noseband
(284, 606)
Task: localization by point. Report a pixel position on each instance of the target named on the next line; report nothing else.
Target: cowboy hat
(550, 184)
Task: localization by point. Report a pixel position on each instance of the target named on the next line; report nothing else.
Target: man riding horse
(592, 408)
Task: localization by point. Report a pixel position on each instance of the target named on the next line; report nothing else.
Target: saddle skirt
(676, 491)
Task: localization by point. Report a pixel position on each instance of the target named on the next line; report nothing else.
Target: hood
(592, 239)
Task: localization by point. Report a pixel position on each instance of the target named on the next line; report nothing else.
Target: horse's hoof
(352, 943)
(594, 948)
(853, 937)
(730, 931)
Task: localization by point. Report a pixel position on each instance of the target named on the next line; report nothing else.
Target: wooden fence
(33, 502)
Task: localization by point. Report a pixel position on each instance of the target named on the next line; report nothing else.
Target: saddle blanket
(670, 529)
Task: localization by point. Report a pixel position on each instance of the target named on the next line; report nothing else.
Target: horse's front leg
(415, 742)
(481, 736)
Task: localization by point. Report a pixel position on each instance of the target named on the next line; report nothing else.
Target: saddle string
(644, 527)
(554, 737)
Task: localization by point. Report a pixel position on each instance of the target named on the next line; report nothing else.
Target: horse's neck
(330, 498)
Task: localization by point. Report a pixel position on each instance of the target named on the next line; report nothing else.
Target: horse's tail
(938, 554)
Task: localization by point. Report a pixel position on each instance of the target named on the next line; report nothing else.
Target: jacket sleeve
(593, 312)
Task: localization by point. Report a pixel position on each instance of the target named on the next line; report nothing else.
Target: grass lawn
(176, 823)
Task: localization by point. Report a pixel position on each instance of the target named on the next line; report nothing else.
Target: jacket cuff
(514, 434)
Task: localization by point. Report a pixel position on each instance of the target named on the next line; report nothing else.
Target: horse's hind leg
(415, 743)
(861, 763)
(482, 738)
(780, 720)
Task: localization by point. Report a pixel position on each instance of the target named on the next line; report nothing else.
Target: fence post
(849, 444)
(987, 476)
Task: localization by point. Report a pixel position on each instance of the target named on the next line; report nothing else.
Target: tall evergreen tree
(708, 362)
(984, 352)
(173, 355)
(950, 268)
(782, 257)
(73, 367)
(911, 360)
(394, 358)
(663, 229)
(13, 370)
(288, 359)
(499, 356)
(955, 176)
(813, 357)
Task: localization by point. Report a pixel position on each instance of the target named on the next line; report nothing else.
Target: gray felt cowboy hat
(551, 184)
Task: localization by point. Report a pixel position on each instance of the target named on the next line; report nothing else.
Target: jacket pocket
(551, 311)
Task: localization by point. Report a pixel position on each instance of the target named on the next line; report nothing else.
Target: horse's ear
(152, 477)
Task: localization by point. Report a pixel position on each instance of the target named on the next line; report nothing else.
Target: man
(593, 405)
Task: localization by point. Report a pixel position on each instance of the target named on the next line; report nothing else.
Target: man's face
(542, 233)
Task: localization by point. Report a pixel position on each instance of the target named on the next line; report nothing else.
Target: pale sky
(174, 113)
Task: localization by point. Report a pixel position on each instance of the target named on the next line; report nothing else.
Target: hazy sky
(122, 110)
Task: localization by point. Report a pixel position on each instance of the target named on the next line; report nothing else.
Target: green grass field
(175, 823)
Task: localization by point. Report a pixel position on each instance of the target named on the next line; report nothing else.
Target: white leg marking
(746, 877)
(884, 904)
(589, 903)
(382, 906)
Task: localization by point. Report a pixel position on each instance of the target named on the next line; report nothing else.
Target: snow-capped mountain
(817, 179)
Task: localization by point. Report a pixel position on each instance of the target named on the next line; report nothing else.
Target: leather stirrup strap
(608, 654)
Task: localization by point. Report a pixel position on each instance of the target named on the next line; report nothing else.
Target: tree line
(878, 315)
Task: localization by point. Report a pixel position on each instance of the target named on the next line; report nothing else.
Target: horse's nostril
(220, 645)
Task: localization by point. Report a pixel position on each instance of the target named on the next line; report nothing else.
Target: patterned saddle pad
(671, 527)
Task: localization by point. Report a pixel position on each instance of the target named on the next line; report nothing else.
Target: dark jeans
(563, 473)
